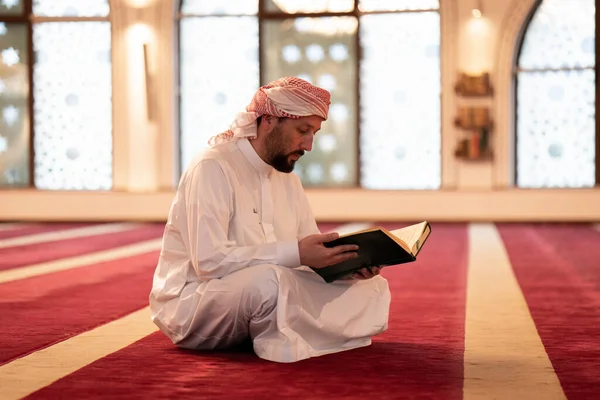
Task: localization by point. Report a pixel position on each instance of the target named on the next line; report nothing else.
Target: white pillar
(143, 103)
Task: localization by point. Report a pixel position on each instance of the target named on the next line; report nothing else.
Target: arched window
(55, 80)
(379, 59)
(556, 97)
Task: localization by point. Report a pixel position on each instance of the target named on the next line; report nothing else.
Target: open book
(378, 247)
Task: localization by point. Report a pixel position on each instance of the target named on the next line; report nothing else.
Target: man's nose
(307, 143)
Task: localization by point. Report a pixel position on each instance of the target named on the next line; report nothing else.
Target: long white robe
(230, 266)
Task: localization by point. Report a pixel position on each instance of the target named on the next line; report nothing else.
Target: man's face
(289, 139)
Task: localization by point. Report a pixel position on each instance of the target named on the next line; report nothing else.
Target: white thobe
(230, 266)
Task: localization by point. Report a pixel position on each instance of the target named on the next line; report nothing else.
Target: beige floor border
(25, 375)
(504, 355)
(79, 261)
(66, 234)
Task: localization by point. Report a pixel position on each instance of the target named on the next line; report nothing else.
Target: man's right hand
(314, 254)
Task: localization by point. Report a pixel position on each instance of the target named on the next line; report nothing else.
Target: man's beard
(276, 155)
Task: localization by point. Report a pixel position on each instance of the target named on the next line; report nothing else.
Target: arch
(554, 97)
(512, 30)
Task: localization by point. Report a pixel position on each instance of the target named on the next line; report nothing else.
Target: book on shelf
(473, 117)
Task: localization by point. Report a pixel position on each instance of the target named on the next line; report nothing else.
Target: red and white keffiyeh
(285, 97)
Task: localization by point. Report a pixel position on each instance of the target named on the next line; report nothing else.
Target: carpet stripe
(20, 256)
(28, 368)
(66, 234)
(504, 356)
(79, 261)
(420, 356)
(7, 225)
(558, 269)
(54, 307)
(22, 229)
(427, 317)
(37, 370)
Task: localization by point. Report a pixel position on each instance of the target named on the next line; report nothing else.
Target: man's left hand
(366, 273)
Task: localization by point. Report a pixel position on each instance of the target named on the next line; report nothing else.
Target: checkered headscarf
(285, 97)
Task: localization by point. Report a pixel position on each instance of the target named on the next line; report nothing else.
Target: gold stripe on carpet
(504, 355)
(66, 234)
(25, 375)
(80, 261)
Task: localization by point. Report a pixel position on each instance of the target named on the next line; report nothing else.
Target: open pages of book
(414, 235)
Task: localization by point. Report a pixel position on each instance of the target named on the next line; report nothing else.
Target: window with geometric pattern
(379, 59)
(56, 85)
(556, 137)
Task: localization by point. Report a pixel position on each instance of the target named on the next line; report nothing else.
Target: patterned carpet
(488, 311)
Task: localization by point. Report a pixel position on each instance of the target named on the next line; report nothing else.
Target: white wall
(145, 163)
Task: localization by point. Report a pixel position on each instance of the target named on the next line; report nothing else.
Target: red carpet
(58, 306)
(18, 256)
(427, 314)
(558, 268)
(419, 356)
(31, 229)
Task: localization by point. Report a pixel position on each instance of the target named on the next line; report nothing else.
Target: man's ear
(270, 121)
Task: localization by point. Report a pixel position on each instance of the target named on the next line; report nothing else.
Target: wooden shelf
(489, 126)
(471, 95)
(474, 148)
(483, 157)
(474, 85)
(475, 120)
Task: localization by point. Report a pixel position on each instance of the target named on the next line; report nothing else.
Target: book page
(411, 235)
(353, 229)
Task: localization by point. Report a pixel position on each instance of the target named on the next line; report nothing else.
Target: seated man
(240, 237)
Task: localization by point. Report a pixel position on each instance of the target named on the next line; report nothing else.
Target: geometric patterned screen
(72, 96)
(321, 50)
(400, 139)
(12, 7)
(216, 7)
(215, 83)
(309, 7)
(72, 105)
(556, 128)
(398, 5)
(396, 124)
(71, 8)
(14, 105)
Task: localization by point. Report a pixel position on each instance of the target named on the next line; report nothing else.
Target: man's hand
(366, 273)
(314, 254)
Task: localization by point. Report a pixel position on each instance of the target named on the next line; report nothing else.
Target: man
(240, 237)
